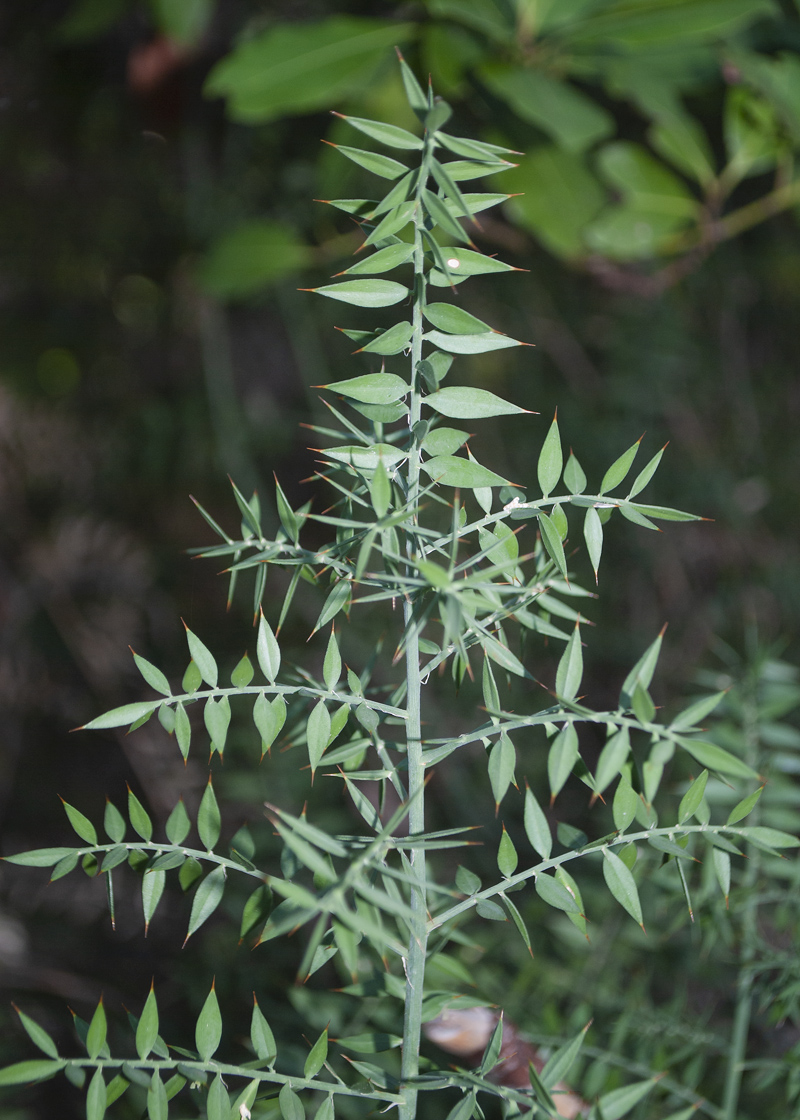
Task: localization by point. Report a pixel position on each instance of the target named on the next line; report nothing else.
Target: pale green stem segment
(414, 962)
(737, 1051)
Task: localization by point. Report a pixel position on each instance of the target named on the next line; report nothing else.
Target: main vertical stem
(414, 962)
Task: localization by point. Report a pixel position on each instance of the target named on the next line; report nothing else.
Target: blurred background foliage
(159, 161)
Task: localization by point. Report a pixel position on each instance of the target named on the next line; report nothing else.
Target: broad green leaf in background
(559, 197)
(302, 67)
(251, 256)
(569, 117)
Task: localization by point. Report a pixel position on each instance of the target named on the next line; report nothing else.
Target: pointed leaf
(202, 659)
(555, 894)
(551, 460)
(453, 319)
(561, 1062)
(218, 1103)
(317, 1056)
(208, 818)
(622, 885)
(81, 824)
(207, 898)
(338, 598)
(593, 535)
(208, 1030)
(183, 729)
(267, 650)
(644, 476)
(561, 758)
(318, 733)
(96, 1097)
(261, 1036)
(178, 824)
(365, 293)
(98, 1028)
(142, 824)
(38, 1035)
(718, 759)
(154, 677)
(466, 474)
(626, 802)
(147, 1027)
(692, 799)
(388, 134)
(744, 807)
(385, 166)
(619, 469)
(243, 673)
(122, 717)
(152, 889)
(574, 478)
(619, 1102)
(269, 718)
(217, 718)
(570, 667)
(470, 343)
(502, 761)
(507, 858)
(466, 403)
(551, 539)
(157, 1106)
(536, 827)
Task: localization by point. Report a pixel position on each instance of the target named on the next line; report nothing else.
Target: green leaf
(208, 818)
(366, 458)
(721, 862)
(612, 758)
(453, 319)
(570, 667)
(178, 824)
(40, 857)
(207, 898)
(744, 807)
(644, 476)
(384, 166)
(536, 827)
(256, 910)
(555, 894)
(290, 1104)
(81, 824)
(147, 1027)
(467, 881)
(218, 1104)
(152, 889)
(561, 758)
(98, 1029)
(641, 673)
(261, 1036)
(364, 293)
(626, 802)
(38, 1035)
(332, 665)
(593, 535)
(217, 718)
(96, 1097)
(250, 256)
(393, 341)
(202, 658)
(64, 866)
(470, 343)
(440, 215)
(191, 678)
(486, 908)
(317, 1056)
(139, 819)
(392, 256)
(372, 388)
(157, 1106)
(113, 823)
(507, 858)
(267, 650)
(696, 712)
(502, 762)
(183, 729)
(337, 600)
(572, 119)
(551, 539)
(318, 733)
(769, 838)
(208, 1029)
(189, 873)
(243, 673)
(574, 478)
(717, 759)
(559, 197)
(692, 799)
(561, 1062)
(154, 677)
(122, 717)
(303, 67)
(622, 885)
(393, 222)
(269, 718)
(452, 470)
(388, 134)
(465, 403)
(25, 1073)
(619, 468)
(550, 460)
(619, 1102)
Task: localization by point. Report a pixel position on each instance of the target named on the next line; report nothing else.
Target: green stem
(414, 962)
(744, 986)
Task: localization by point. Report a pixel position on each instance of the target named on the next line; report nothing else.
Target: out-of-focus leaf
(559, 197)
(302, 67)
(569, 117)
(251, 256)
